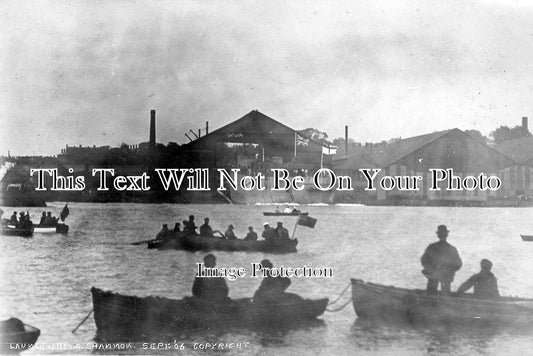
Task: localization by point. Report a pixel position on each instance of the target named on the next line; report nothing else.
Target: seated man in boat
(440, 261)
(190, 227)
(212, 289)
(177, 229)
(281, 232)
(13, 220)
(269, 233)
(251, 235)
(287, 210)
(43, 218)
(50, 220)
(165, 234)
(272, 289)
(229, 234)
(205, 229)
(485, 283)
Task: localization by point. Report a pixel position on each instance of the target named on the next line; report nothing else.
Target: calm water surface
(46, 279)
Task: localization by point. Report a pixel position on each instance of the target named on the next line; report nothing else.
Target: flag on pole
(64, 213)
(307, 221)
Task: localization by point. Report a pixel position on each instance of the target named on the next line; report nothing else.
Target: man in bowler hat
(440, 261)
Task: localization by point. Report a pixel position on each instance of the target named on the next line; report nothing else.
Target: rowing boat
(130, 318)
(58, 228)
(11, 230)
(272, 213)
(15, 336)
(204, 243)
(389, 303)
(527, 237)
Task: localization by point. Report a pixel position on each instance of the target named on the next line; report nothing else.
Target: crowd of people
(188, 228)
(441, 261)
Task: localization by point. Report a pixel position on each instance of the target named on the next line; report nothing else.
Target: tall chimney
(152, 128)
(207, 127)
(346, 139)
(524, 123)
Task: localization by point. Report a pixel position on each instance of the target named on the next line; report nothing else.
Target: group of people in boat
(47, 219)
(205, 230)
(270, 291)
(441, 261)
(23, 221)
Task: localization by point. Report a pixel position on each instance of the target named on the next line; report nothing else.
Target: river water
(46, 279)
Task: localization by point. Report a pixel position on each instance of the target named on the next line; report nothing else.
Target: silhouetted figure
(13, 220)
(189, 227)
(485, 283)
(229, 234)
(272, 289)
(177, 228)
(281, 232)
(251, 235)
(440, 260)
(165, 234)
(205, 229)
(43, 219)
(269, 233)
(212, 289)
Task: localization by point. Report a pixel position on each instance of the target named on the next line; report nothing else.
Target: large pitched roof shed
(443, 149)
(254, 127)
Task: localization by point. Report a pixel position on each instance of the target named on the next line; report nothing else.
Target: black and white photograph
(266, 177)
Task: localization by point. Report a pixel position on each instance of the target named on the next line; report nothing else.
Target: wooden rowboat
(16, 336)
(58, 228)
(527, 237)
(388, 303)
(203, 243)
(273, 213)
(130, 318)
(10, 230)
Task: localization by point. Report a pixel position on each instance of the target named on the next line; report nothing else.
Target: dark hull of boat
(15, 342)
(130, 318)
(202, 243)
(387, 303)
(59, 228)
(527, 237)
(13, 231)
(268, 213)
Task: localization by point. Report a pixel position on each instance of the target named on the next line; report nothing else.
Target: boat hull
(527, 237)
(202, 243)
(267, 213)
(18, 341)
(387, 303)
(59, 229)
(129, 318)
(14, 231)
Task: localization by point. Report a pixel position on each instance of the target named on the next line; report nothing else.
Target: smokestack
(207, 127)
(346, 139)
(524, 123)
(152, 128)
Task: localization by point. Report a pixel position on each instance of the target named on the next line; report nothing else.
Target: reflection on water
(46, 279)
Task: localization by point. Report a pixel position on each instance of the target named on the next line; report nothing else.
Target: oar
(83, 321)
(143, 242)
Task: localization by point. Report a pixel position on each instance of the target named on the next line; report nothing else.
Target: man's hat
(280, 223)
(442, 228)
(231, 226)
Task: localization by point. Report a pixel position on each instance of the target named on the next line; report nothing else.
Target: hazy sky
(88, 72)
